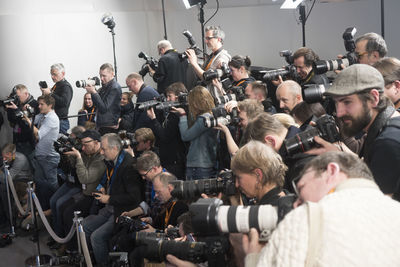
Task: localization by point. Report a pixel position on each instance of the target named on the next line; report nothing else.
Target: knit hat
(355, 79)
(91, 134)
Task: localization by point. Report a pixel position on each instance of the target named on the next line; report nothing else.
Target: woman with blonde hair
(202, 153)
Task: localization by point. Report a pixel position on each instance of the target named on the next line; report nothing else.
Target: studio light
(192, 3)
(108, 20)
(291, 4)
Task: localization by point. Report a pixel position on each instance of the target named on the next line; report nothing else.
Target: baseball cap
(354, 79)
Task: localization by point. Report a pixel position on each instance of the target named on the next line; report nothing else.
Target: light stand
(37, 260)
(200, 4)
(108, 20)
(165, 24)
(6, 174)
(303, 19)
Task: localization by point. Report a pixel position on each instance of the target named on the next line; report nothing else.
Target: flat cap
(355, 79)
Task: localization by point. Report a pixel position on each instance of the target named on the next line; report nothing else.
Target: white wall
(36, 34)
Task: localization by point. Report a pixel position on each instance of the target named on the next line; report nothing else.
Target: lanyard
(209, 63)
(239, 83)
(168, 214)
(91, 115)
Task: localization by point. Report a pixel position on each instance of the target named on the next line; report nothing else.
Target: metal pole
(165, 24)
(303, 22)
(383, 18)
(77, 222)
(201, 19)
(115, 58)
(6, 174)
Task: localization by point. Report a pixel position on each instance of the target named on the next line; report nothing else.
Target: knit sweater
(360, 228)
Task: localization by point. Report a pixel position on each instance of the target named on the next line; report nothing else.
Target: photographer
(370, 47)
(214, 38)
(288, 95)
(87, 111)
(169, 212)
(107, 100)
(172, 149)
(22, 133)
(258, 90)
(390, 69)
(143, 93)
(127, 112)
(120, 189)
(202, 153)
(170, 69)
(62, 93)
(341, 206)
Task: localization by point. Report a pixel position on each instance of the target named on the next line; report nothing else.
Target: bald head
(289, 95)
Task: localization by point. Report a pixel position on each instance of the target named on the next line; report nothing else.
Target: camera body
(322, 66)
(11, 99)
(149, 61)
(325, 128)
(94, 81)
(222, 73)
(287, 71)
(43, 84)
(220, 115)
(162, 104)
(192, 44)
(29, 112)
(133, 225)
(65, 144)
(224, 183)
(128, 139)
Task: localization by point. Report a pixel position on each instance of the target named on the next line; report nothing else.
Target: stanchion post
(77, 223)
(6, 174)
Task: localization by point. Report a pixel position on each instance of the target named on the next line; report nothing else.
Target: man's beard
(358, 123)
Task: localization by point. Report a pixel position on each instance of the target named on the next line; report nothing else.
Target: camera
(127, 139)
(157, 248)
(322, 66)
(29, 112)
(221, 73)
(90, 81)
(11, 99)
(287, 71)
(224, 183)
(223, 99)
(210, 217)
(304, 141)
(313, 93)
(43, 84)
(167, 105)
(192, 43)
(133, 225)
(65, 143)
(220, 115)
(149, 61)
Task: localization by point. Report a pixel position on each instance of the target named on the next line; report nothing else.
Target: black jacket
(107, 102)
(126, 189)
(62, 93)
(84, 118)
(127, 114)
(170, 69)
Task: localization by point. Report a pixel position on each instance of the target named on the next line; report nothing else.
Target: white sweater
(361, 227)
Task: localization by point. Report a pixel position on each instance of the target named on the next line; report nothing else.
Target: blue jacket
(203, 142)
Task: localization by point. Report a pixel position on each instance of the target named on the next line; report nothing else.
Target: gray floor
(14, 255)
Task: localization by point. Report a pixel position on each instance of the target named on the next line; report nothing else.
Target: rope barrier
(16, 200)
(47, 225)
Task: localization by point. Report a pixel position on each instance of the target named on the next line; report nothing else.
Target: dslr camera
(222, 73)
(133, 225)
(287, 71)
(65, 143)
(210, 217)
(192, 43)
(322, 66)
(43, 84)
(224, 183)
(127, 139)
(11, 99)
(94, 81)
(304, 141)
(220, 115)
(29, 112)
(149, 61)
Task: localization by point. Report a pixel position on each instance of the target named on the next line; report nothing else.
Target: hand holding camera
(74, 152)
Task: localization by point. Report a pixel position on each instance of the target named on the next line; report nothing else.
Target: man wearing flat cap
(361, 106)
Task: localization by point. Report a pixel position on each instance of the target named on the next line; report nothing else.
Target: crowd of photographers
(223, 164)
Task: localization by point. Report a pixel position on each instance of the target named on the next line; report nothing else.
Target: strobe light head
(191, 3)
(108, 20)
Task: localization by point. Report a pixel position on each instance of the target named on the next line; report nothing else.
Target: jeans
(45, 178)
(62, 194)
(98, 229)
(195, 173)
(64, 126)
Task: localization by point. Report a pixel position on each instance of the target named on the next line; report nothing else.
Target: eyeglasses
(208, 38)
(359, 55)
(144, 175)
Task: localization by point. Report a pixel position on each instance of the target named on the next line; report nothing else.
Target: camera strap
(168, 213)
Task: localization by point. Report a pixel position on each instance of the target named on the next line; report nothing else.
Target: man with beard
(361, 106)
